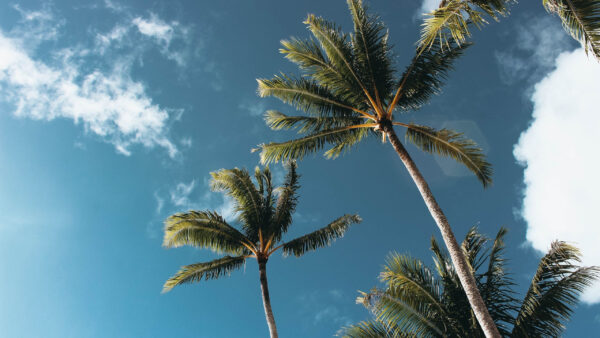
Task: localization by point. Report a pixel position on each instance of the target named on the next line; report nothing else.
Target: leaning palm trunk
(264, 286)
(463, 270)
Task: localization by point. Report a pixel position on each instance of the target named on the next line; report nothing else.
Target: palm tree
(349, 90)
(265, 214)
(451, 20)
(416, 303)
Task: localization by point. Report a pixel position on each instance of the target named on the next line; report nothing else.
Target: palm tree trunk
(264, 286)
(456, 254)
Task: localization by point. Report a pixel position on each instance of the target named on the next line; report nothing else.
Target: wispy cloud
(559, 151)
(538, 42)
(77, 82)
(180, 194)
(255, 108)
(426, 7)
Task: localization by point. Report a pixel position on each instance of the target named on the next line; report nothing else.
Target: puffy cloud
(154, 27)
(560, 150)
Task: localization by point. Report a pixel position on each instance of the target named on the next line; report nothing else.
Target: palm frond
(237, 184)
(309, 57)
(203, 229)
(306, 95)
(553, 293)
(320, 238)
(451, 21)
(373, 329)
(210, 270)
(372, 53)
(308, 124)
(286, 203)
(298, 148)
(581, 19)
(452, 144)
(339, 52)
(426, 74)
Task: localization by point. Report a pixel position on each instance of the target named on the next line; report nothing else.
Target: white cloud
(73, 83)
(257, 108)
(559, 151)
(155, 27)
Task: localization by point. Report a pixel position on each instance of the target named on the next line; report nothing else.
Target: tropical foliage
(349, 89)
(264, 214)
(452, 19)
(417, 303)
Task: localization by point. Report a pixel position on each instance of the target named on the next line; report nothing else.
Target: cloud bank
(560, 153)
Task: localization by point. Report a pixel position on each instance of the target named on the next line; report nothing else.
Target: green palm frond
(211, 270)
(298, 148)
(237, 184)
(452, 144)
(286, 203)
(338, 49)
(451, 21)
(320, 238)
(553, 293)
(373, 329)
(308, 124)
(203, 229)
(426, 74)
(396, 309)
(307, 95)
(371, 49)
(581, 18)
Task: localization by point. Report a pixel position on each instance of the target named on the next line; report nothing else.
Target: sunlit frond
(237, 184)
(203, 229)
(308, 124)
(298, 148)
(320, 238)
(286, 203)
(581, 18)
(451, 21)
(451, 144)
(211, 270)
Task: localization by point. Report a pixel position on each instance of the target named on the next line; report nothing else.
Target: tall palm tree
(349, 90)
(265, 214)
(416, 303)
(451, 20)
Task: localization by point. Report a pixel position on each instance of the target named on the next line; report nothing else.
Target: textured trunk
(456, 254)
(264, 286)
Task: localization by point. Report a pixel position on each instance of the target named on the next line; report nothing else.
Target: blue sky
(113, 114)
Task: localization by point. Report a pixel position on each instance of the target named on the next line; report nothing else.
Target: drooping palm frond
(553, 293)
(452, 144)
(237, 184)
(210, 270)
(451, 21)
(320, 238)
(306, 95)
(581, 19)
(371, 50)
(298, 148)
(425, 75)
(203, 229)
(308, 124)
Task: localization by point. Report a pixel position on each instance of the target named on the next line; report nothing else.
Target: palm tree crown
(265, 215)
(350, 90)
(417, 303)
